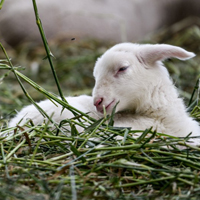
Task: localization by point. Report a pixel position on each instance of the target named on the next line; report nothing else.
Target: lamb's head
(128, 72)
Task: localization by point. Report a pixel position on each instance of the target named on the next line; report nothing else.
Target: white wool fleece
(82, 103)
(134, 76)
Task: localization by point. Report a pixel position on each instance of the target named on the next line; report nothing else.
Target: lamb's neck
(162, 101)
(161, 109)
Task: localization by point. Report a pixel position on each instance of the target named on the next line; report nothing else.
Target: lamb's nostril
(98, 102)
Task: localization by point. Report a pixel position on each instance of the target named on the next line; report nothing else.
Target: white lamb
(134, 76)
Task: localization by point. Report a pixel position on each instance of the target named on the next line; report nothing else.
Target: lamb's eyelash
(123, 68)
(120, 70)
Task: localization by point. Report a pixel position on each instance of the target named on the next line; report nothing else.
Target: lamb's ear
(159, 52)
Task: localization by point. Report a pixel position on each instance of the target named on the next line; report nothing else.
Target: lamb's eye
(121, 69)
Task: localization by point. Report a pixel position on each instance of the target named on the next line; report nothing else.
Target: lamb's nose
(98, 102)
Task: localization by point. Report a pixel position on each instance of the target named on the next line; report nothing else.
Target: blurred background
(80, 31)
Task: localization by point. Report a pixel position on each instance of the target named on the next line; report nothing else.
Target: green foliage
(96, 164)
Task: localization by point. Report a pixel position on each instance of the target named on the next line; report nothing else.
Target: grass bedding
(52, 162)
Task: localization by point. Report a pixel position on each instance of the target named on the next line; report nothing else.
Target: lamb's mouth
(108, 106)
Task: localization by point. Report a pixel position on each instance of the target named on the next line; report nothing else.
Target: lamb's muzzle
(98, 103)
